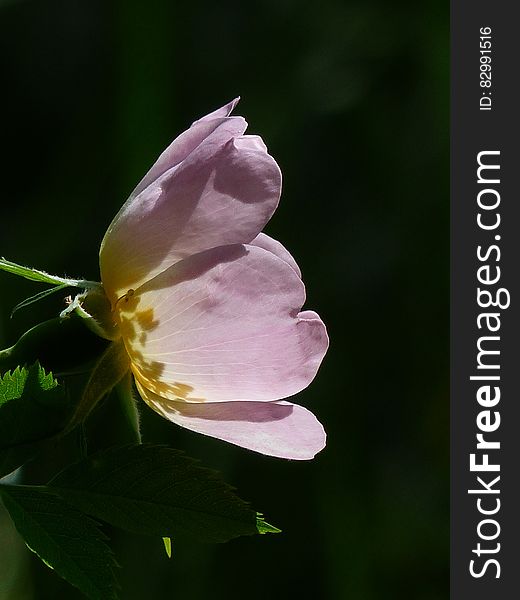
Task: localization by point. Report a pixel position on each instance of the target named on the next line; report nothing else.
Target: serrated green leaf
(33, 408)
(25, 380)
(65, 539)
(155, 490)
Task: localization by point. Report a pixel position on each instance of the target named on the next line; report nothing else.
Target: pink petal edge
(270, 244)
(278, 429)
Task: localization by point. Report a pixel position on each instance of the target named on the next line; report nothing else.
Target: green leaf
(155, 490)
(66, 540)
(33, 408)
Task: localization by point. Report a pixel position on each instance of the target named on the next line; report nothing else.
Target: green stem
(5, 355)
(125, 393)
(43, 277)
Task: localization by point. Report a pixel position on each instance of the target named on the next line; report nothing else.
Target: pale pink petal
(278, 429)
(252, 141)
(268, 243)
(224, 192)
(309, 314)
(219, 113)
(223, 325)
(190, 139)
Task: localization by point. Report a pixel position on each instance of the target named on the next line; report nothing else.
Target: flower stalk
(43, 277)
(125, 393)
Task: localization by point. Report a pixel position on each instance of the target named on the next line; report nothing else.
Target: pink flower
(207, 306)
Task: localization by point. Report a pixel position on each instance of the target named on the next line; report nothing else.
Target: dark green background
(352, 99)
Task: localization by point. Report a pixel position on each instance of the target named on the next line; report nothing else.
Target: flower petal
(223, 192)
(189, 140)
(268, 243)
(278, 429)
(223, 325)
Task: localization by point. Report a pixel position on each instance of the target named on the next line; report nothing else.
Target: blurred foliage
(351, 97)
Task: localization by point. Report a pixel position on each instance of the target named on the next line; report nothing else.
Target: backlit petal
(218, 122)
(278, 429)
(223, 192)
(223, 325)
(268, 243)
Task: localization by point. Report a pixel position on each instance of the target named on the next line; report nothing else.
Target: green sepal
(50, 344)
(37, 297)
(111, 367)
